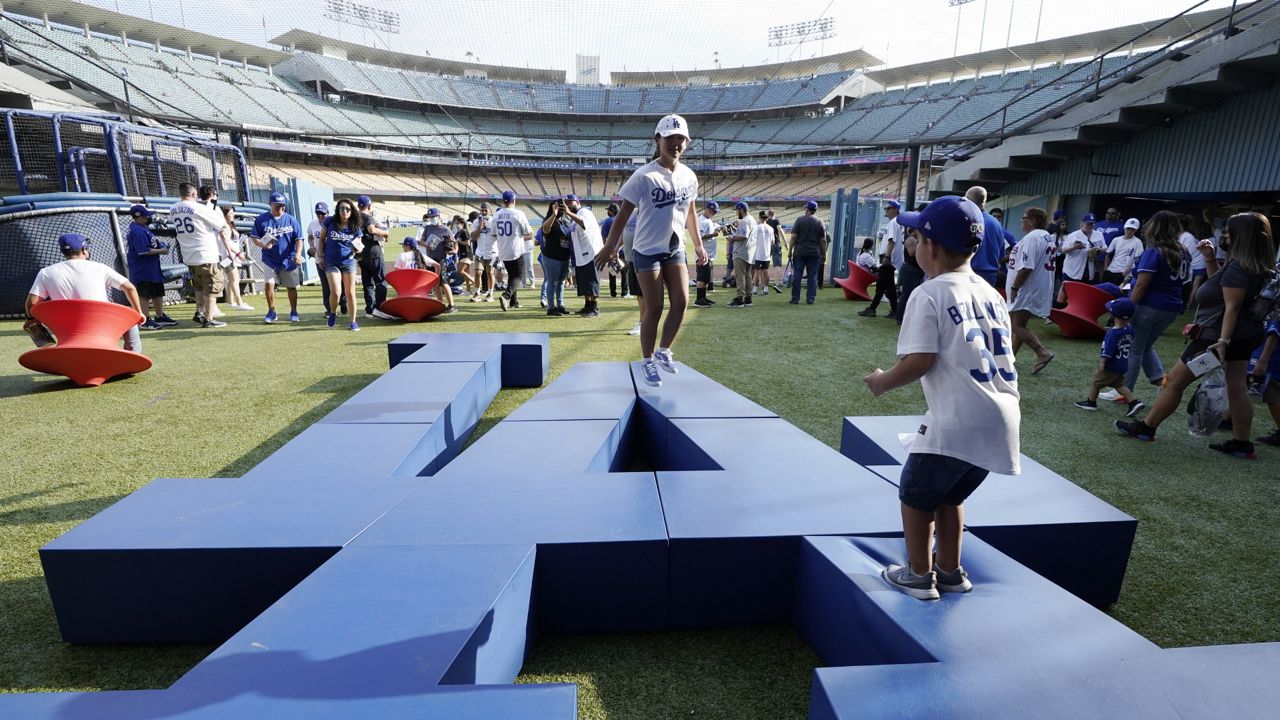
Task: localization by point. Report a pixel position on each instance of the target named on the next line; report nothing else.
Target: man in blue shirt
(1111, 228)
(279, 234)
(144, 264)
(986, 261)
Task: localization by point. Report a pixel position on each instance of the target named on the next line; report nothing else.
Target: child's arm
(907, 370)
(1264, 359)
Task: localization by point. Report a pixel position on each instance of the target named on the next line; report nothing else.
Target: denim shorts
(929, 481)
(648, 263)
(345, 267)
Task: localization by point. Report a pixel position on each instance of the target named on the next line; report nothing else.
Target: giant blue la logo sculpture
(369, 570)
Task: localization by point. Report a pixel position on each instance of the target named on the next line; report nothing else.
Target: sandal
(1042, 364)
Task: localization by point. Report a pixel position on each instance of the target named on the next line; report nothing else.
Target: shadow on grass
(58, 512)
(339, 387)
(33, 656)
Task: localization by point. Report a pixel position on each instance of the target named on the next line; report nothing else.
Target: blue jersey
(282, 236)
(605, 225)
(143, 267)
(1110, 231)
(987, 258)
(1115, 349)
(340, 243)
(1165, 290)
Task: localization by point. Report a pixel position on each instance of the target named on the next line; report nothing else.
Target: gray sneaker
(920, 587)
(955, 581)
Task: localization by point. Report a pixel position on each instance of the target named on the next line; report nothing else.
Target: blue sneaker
(355, 327)
(665, 361)
(293, 316)
(270, 317)
(650, 369)
(331, 319)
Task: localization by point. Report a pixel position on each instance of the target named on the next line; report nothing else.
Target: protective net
(29, 242)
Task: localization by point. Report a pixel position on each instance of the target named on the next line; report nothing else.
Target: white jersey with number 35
(972, 389)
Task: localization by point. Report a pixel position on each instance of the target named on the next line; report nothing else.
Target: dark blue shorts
(929, 481)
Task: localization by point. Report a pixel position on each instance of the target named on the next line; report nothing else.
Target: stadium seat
(413, 301)
(88, 350)
(1085, 304)
(855, 284)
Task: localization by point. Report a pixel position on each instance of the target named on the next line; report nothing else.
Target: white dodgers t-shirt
(762, 243)
(972, 389)
(483, 238)
(662, 199)
(707, 226)
(508, 227)
(893, 231)
(1124, 253)
(1188, 241)
(1076, 261)
(1035, 252)
(586, 239)
(198, 226)
(77, 280)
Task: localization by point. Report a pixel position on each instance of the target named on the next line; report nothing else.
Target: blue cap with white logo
(364, 201)
(1121, 308)
(72, 242)
(322, 207)
(508, 196)
(433, 212)
(741, 205)
(1088, 218)
(811, 205)
(140, 211)
(953, 222)
(277, 199)
(894, 204)
(571, 196)
(409, 242)
(713, 206)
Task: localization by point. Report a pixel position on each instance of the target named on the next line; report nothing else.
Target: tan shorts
(1104, 379)
(206, 277)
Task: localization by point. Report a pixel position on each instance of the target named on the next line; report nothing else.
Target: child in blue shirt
(1268, 369)
(143, 260)
(1115, 359)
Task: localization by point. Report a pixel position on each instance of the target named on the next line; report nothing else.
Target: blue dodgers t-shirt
(1110, 231)
(143, 267)
(1165, 291)
(1115, 349)
(1273, 366)
(282, 235)
(986, 260)
(340, 243)
(605, 226)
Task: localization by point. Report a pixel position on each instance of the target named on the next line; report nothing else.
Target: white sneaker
(243, 306)
(217, 312)
(635, 330)
(1108, 395)
(665, 362)
(488, 298)
(379, 314)
(627, 296)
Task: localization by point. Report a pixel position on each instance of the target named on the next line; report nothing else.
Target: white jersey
(1076, 261)
(972, 388)
(662, 199)
(77, 280)
(482, 238)
(1124, 253)
(198, 227)
(407, 260)
(1188, 241)
(761, 243)
(1034, 252)
(586, 239)
(508, 228)
(893, 231)
(707, 226)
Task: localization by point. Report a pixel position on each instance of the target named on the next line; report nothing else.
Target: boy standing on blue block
(955, 340)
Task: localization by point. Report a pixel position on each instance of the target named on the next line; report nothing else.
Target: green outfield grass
(1204, 570)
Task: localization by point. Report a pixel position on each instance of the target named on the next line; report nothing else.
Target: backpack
(1266, 306)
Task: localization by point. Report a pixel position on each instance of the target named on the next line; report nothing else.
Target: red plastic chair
(413, 301)
(1085, 304)
(88, 348)
(855, 285)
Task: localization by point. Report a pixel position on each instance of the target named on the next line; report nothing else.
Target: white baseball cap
(672, 125)
(1132, 223)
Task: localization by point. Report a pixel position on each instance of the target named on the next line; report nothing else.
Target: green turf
(1204, 568)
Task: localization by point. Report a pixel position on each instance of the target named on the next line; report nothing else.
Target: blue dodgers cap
(409, 241)
(713, 206)
(1088, 217)
(740, 205)
(571, 196)
(322, 207)
(364, 201)
(1059, 214)
(508, 195)
(811, 205)
(1111, 289)
(140, 211)
(433, 212)
(894, 204)
(277, 199)
(953, 222)
(72, 242)
(1121, 308)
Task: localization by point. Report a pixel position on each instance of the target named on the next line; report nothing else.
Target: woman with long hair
(1225, 326)
(338, 253)
(234, 251)
(1158, 276)
(664, 194)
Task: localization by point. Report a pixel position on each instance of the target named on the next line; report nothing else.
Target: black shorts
(148, 290)
(760, 264)
(587, 279)
(929, 481)
(632, 283)
(702, 273)
(1239, 349)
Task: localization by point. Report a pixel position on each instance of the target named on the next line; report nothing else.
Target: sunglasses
(343, 210)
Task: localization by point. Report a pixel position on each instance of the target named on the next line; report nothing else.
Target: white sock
(664, 351)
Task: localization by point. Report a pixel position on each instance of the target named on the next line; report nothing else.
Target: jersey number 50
(989, 349)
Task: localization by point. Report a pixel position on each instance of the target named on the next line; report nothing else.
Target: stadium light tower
(981, 33)
(802, 32)
(364, 16)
